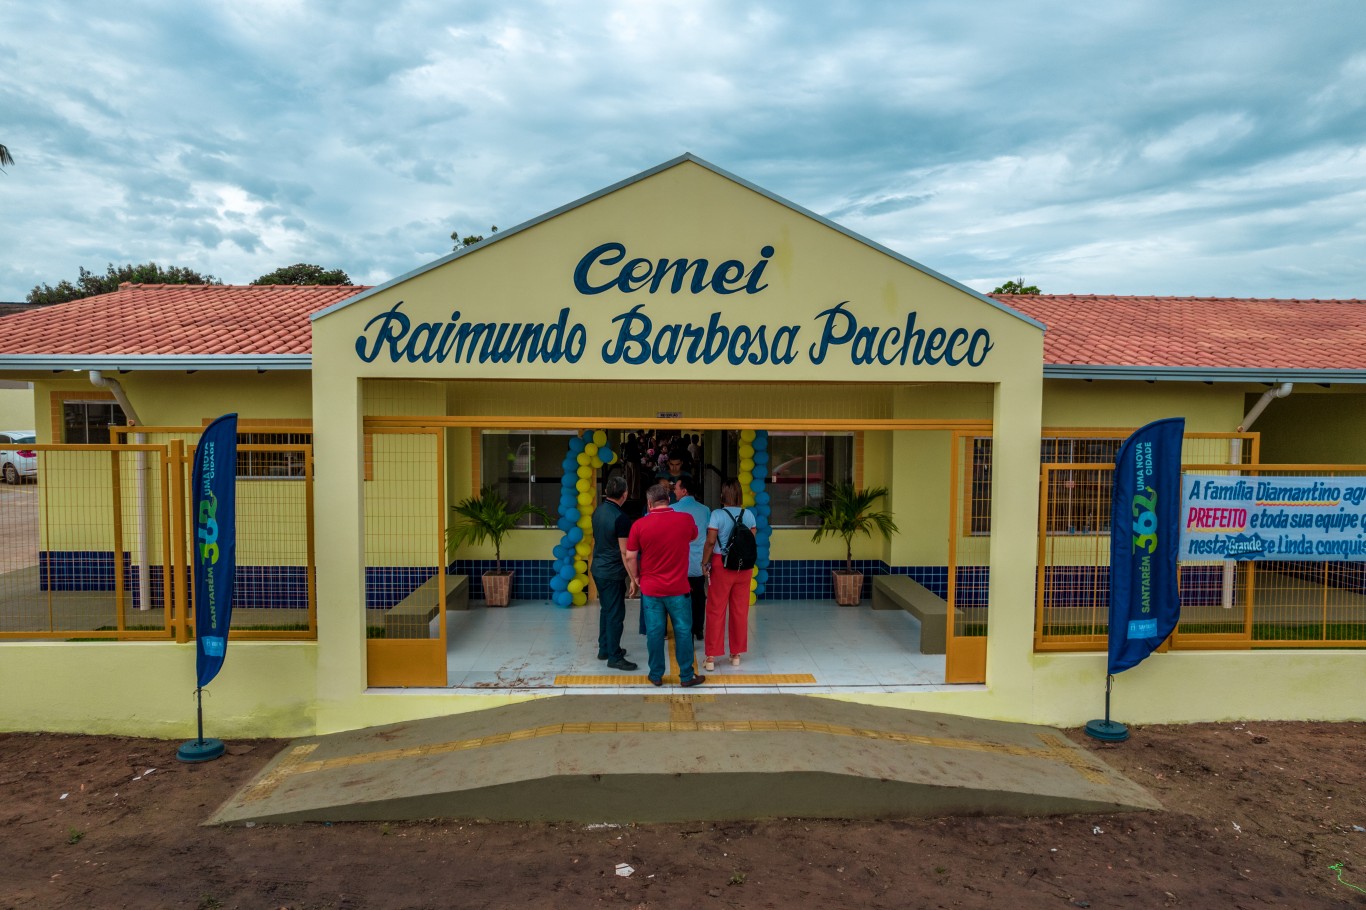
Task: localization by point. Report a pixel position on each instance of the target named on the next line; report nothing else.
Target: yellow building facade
(682, 298)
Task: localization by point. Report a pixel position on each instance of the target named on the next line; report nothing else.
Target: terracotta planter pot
(848, 587)
(497, 588)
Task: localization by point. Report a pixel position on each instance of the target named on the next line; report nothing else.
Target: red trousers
(727, 609)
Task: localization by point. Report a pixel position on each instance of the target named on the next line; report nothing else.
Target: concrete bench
(410, 617)
(901, 592)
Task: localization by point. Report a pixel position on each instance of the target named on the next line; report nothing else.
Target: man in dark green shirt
(611, 526)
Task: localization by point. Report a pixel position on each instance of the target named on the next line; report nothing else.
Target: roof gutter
(164, 362)
(1200, 374)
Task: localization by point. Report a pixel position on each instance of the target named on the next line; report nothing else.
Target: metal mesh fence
(83, 549)
(404, 536)
(1224, 604)
(90, 549)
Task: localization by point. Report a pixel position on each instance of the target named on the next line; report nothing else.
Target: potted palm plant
(844, 512)
(489, 517)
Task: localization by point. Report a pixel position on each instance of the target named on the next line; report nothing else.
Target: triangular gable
(644, 175)
(681, 268)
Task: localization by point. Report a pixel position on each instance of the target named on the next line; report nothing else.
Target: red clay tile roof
(1205, 332)
(179, 319)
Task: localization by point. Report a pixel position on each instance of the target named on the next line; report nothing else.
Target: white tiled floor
(527, 645)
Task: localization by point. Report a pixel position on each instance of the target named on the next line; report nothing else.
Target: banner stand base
(195, 750)
(1107, 731)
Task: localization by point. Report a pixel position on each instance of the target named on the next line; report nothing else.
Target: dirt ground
(1257, 815)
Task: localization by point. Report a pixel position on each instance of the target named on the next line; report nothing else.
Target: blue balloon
(760, 440)
(759, 590)
(587, 436)
(760, 456)
(576, 444)
(559, 583)
(761, 498)
(757, 485)
(762, 575)
(575, 534)
(563, 598)
(567, 572)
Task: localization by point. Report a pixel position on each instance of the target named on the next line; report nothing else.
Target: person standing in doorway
(657, 562)
(611, 527)
(727, 591)
(686, 496)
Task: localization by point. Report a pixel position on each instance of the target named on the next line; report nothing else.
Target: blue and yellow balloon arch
(586, 455)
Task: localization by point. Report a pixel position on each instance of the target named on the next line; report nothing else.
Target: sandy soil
(1258, 815)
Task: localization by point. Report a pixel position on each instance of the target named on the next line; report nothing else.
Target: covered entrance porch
(417, 466)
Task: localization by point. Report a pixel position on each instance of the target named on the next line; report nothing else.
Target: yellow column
(1017, 415)
(339, 511)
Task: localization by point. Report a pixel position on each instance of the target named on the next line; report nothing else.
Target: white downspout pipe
(1235, 456)
(144, 575)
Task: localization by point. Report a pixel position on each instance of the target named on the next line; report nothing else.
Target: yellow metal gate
(405, 556)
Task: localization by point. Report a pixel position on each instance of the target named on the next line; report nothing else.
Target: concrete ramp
(659, 758)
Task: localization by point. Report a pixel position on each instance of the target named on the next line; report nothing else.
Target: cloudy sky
(1164, 147)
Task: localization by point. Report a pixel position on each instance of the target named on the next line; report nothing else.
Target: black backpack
(741, 550)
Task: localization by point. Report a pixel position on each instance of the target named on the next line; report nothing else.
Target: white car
(18, 460)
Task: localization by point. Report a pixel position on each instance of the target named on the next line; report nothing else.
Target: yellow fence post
(178, 589)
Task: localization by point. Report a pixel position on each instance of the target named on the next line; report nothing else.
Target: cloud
(1155, 147)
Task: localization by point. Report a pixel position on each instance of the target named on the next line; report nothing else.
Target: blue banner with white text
(213, 492)
(1144, 535)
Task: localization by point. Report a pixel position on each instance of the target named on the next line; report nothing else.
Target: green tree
(304, 273)
(1017, 287)
(91, 283)
(471, 240)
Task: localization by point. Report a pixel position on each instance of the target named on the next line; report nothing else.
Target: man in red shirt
(657, 562)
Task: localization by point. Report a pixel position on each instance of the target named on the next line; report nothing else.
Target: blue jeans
(679, 608)
(612, 617)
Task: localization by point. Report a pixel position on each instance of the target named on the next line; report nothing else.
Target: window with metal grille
(1078, 500)
(88, 422)
(277, 464)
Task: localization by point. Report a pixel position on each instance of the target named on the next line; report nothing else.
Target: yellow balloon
(583, 548)
(599, 438)
(584, 458)
(581, 567)
(580, 599)
(583, 485)
(746, 435)
(753, 598)
(747, 500)
(585, 471)
(746, 450)
(575, 585)
(753, 583)
(745, 478)
(596, 462)
(590, 450)
(585, 500)
(747, 465)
